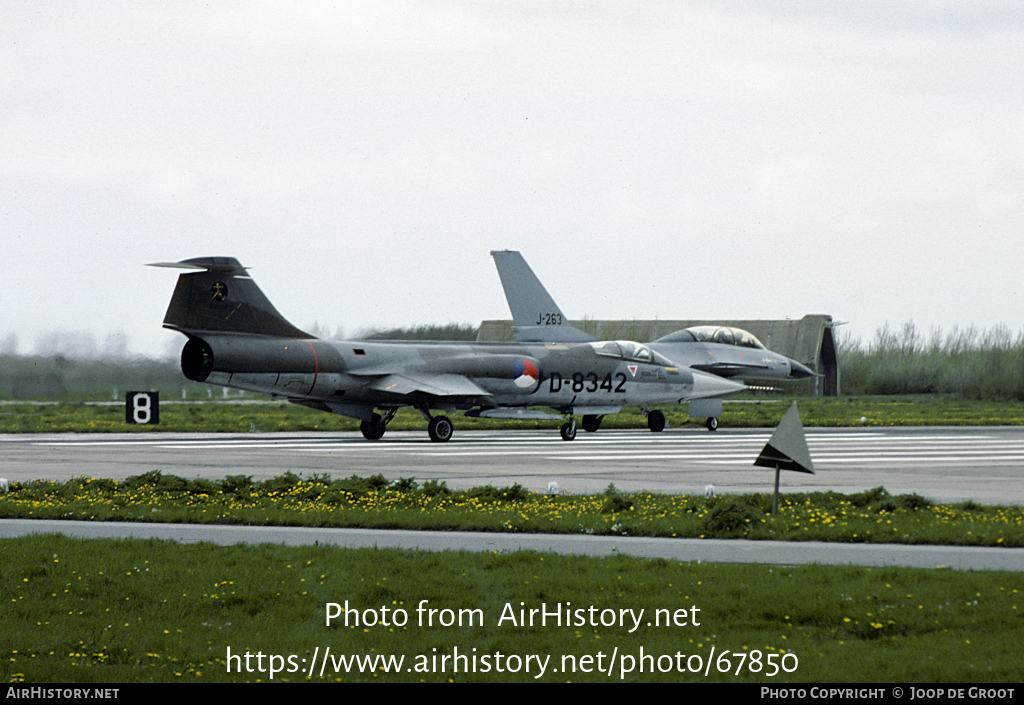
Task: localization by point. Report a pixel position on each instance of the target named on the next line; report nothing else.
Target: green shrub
(868, 497)
(280, 484)
(433, 488)
(913, 501)
(147, 478)
(490, 493)
(730, 517)
(236, 484)
(614, 501)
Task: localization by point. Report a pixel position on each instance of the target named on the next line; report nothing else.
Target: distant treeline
(968, 363)
(450, 332)
(67, 379)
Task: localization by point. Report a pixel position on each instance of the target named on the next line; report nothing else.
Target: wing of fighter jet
(236, 338)
(721, 351)
(438, 385)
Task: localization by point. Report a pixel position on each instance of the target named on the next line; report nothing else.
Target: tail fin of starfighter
(218, 295)
(536, 317)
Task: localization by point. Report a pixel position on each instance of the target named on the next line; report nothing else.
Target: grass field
(757, 412)
(151, 611)
(140, 611)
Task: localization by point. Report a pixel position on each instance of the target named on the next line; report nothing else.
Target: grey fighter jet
(236, 338)
(722, 351)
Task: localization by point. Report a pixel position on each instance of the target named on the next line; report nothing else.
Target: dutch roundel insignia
(525, 373)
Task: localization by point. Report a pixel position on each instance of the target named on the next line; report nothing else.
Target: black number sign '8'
(142, 408)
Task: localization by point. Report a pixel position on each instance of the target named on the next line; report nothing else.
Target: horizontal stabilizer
(208, 264)
(177, 265)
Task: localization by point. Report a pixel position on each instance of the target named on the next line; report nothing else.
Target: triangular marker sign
(787, 448)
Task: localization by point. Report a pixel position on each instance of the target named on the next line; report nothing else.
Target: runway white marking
(736, 449)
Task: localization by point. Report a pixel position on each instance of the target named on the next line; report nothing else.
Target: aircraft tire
(656, 421)
(373, 430)
(592, 422)
(568, 431)
(712, 423)
(440, 429)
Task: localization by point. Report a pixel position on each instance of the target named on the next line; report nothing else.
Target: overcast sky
(674, 160)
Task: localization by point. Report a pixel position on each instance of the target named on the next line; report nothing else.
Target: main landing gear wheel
(440, 429)
(568, 431)
(712, 423)
(592, 422)
(656, 421)
(373, 430)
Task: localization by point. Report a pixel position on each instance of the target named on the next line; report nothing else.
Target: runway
(945, 464)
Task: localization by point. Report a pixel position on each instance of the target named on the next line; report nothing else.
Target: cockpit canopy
(714, 334)
(628, 350)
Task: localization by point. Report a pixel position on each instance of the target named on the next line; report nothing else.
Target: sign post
(786, 450)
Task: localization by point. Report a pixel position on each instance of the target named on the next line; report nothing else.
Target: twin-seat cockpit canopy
(714, 334)
(627, 350)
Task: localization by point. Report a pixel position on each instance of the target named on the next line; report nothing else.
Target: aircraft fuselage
(340, 374)
(731, 361)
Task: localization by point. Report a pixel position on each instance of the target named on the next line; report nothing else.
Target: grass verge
(873, 516)
(110, 611)
(280, 416)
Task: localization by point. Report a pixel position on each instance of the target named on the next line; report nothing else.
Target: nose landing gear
(568, 430)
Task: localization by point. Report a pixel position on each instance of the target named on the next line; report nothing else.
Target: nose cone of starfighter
(708, 385)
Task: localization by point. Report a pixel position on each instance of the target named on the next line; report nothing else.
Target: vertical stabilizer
(218, 295)
(536, 317)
